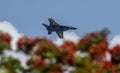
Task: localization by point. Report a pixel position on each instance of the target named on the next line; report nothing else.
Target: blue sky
(87, 15)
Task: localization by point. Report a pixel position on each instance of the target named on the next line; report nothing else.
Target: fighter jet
(54, 26)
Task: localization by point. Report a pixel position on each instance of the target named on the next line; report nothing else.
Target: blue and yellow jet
(57, 28)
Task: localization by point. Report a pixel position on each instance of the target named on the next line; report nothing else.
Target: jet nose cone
(73, 28)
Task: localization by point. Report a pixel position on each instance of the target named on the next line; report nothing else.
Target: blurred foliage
(86, 56)
(115, 52)
(5, 40)
(9, 64)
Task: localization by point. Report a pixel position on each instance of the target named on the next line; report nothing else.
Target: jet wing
(52, 22)
(60, 34)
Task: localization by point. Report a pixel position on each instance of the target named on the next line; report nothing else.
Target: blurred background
(26, 47)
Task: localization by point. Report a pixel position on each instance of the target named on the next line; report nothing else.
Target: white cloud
(68, 36)
(9, 28)
(115, 41)
(22, 57)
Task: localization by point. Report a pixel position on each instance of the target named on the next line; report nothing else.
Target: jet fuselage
(58, 28)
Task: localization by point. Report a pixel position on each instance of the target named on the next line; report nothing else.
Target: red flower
(56, 72)
(106, 66)
(45, 48)
(56, 68)
(42, 41)
(5, 37)
(25, 44)
(69, 48)
(115, 52)
(24, 40)
(98, 51)
(36, 62)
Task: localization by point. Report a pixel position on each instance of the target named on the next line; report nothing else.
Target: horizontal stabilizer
(49, 32)
(45, 25)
